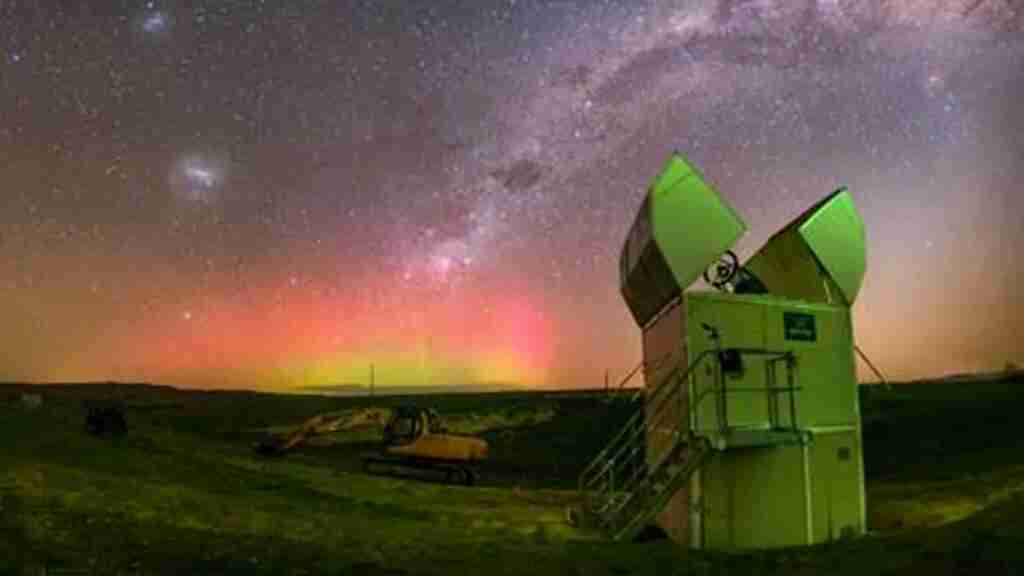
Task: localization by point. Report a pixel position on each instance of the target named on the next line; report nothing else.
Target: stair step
(624, 465)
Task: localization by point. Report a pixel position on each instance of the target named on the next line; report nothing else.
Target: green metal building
(750, 436)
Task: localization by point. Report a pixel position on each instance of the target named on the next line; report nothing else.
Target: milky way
(250, 194)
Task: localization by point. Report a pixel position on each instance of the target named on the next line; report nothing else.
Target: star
(266, 159)
(155, 22)
(201, 176)
(197, 178)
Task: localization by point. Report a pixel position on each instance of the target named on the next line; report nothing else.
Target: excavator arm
(323, 424)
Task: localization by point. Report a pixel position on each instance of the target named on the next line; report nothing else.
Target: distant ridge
(321, 389)
(360, 390)
(355, 388)
(979, 376)
(93, 384)
(958, 378)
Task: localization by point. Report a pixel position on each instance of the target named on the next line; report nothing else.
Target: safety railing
(618, 465)
(625, 483)
(779, 399)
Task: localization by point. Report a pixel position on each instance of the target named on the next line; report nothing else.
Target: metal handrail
(602, 455)
(626, 433)
(665, 454)
(616, 508)
(662, 463)
(616, 461)
(657, 400)
(718, 388)
(624, 453)
(657, 466)
(609, 463)
(694, 461)
(723, 389)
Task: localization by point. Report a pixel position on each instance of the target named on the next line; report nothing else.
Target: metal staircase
(632, 479)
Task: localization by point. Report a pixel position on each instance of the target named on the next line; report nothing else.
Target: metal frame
(625, 484)
(771, 389)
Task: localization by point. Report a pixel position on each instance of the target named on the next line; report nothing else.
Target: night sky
(248, 194)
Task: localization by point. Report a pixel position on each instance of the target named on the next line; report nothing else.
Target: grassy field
(183, 493)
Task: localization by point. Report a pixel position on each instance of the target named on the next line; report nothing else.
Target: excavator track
(451, 472)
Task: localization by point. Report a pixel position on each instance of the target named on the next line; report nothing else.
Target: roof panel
(693, 225)
(682, 227)
(835, 233)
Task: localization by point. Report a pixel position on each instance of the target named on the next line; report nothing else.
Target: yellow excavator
(413, 439)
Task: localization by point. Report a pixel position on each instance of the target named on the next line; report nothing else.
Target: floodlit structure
(750, 435)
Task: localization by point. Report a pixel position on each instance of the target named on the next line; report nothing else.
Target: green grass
(183, 492)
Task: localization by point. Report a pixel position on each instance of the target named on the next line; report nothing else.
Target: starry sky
(248, 194)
